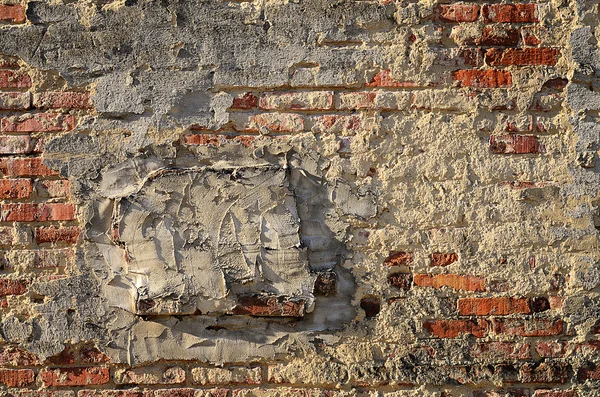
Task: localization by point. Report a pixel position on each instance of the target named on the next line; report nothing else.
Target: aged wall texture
(299, 198)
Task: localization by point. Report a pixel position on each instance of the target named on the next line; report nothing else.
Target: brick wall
(476, 275)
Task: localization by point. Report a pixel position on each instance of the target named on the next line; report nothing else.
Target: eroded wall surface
(299, 198)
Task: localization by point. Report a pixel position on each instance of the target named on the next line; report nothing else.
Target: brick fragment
(14, 13)
(14, 356)
(326, 283)
(16, 377)
(482, 78)
(81, 376)
(226, 376)
(455, 328)
(401, 280)
(546, 372)
(316, 100)
(455, 281)
(15, 100)
(493, 306)
(12, 286)
(12, 79)
(399, 258)
(501, 38)
(551, 349)
(53, 188)
(62, 100)
(38, 122)
(17, 167)
(37, 212)
(501, 350)
(459, 12)
(57, 234)
(15, 188)
(245, 101)
(516, 144)
(384, 79)
(277, 122)
(510, 13)
(18, 144)
(442, 259)
(346, 124)
(268, 306)
(150, 376)
(79, 354)
(590, 371)
(175, 392)
(521, 56)
(555, 393)
(112, 393)
(374, 100)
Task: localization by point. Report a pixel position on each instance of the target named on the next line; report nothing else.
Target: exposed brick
(12, 79)
(521, 56)
(150, 376)
(442, 259)
(7, 236)
(226, 376)
(245, 101)
(551, 349)
(590, 371)
(384, 79)
(493, 306)
(507, 13)
(15, 100)
(268, 306)
(14, 356)
(509, 392)
(455, 328)
(459, 12)
(25, 167)
(218, 140)
(399, 258)
(12, 13)
(277, 122)
(482, 78)
(555, 393)
(8, 62)
(456, 281)
(64, 100)
(18, 144)
(326, 283)
(79, 354)
(174, 393)
(57, 234)
(12, 287)
(546, 372)
(113, 393)
(506, 37)
(16, 377)
(82, 376)
(38, 122)
(334, 124)
(501, 351)
(53, 188)
(401, 280)
(516, 144)
(527, 327)
(37, 212)
(15, 188)
(317, 100)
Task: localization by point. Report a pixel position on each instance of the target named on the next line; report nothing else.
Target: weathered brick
(555, 393)
(590, 371)
(546, 372)
(15, 188)
(399, 258)
(64, 100)
(12, 79)
(345, 124)
(15, 100)
(277, 122)
(455, 281)
(38, 122)
(226, 376)
(509, 392)
(57, 234)
(317, 100)
(493, 306)
(113, 393)
(37, 212)
(9, 62)
(551, 349)
(268, 306)
(78, 354)
(25, 167)
(482, 78)
(521, 56)
(263, 392)
(326, 283)
(459, 12)
(218, 140)
(18, 144)
(506, 37)
(401, 280)
(184, 392)
(14, 356)
(494, 351)
(527, 327)
(81, 376)
(245, 101)
(16, 377)
(442, 259)
(507, 13)
(12, 286)
(384, 79)
(456, 328)
(53, 188)
(150, 376)
(516, 144)
(12, 13)
(374, 100)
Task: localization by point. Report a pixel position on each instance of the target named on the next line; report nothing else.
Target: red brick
(456, 281)
(57, 234)
(555, 393)
(527, 327)
(493, 306)
(12, 13)
(8, 62)
(443, 259)
(245, 101)
(516, 144)
(551, 349)
(521, 56)
(16, 357)
(12, 79)
(218, 140)
(455, 328)
(507, 13)
(15, 188)
(12, 287)
(401, 280)
(74, 376)
(590, 371)
(16, 377)
(503, 38)
(15, 100)
(546, 372)
(384, 79)
(37, 212)
(113, 393)
(459, 12)
(39, 122)
(64, 100)
(17, 144)
(482, 78)
(268, 306)
(501, 350)
(53, 188)
(79, 354)
(25, 167)
(399, 258)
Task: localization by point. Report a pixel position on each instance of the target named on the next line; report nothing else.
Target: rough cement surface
(293, 198)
